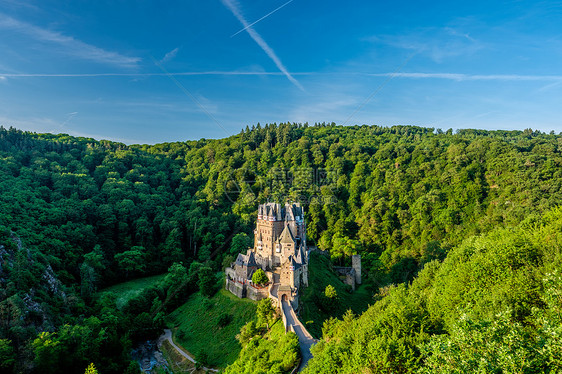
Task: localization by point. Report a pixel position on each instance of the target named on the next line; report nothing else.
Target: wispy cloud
(17, 4)
(436, 43)
(191, 96)
(235, 9)
(473, 77)
(328, 108)
(413, 75)
(262, 18)
(181, 73)
(67, 44)
(69, 118)
(170, 55)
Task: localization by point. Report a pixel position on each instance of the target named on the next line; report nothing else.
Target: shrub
(224, 319)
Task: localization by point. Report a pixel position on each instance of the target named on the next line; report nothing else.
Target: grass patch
(320, 275)
(127, 290)
(178, 363)
(200, 326)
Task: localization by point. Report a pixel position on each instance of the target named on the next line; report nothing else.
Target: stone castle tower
(279, 249)
(280, 233)
(356, 265)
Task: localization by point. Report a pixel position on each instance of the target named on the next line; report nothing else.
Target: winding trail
(305, 339)
(168, 336)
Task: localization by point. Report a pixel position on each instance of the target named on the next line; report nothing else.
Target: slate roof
(294, 263)
(289, 212)
(286, 236)
(300, 255)
(248, 261)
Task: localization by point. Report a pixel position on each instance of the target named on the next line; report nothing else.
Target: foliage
(224, 319)
(259, 277)
(493, 305)
(266, 313)
(7, 355)
(316, 307)
(207, 281)
(497, 346)
(132, 260)
(273, 352)
(91, 369)
(196, 325)
(240, 243)
(330, 292)
(126, 291)
(78, 215)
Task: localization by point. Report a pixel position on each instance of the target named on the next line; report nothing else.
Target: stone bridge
(292, 323)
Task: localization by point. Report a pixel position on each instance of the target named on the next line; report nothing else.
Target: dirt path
(168, 336)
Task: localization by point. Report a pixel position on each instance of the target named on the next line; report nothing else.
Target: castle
(280, 250)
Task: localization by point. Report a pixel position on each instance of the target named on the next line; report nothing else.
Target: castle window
(277, 248)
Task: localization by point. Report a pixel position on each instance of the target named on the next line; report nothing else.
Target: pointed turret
(287, 236)
(252, 260)
(300, 258)
(294, 265)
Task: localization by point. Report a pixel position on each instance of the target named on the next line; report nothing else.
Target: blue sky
(148, 72)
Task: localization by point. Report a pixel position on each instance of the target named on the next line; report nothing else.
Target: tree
(207, 281)
(91, 369)
(227, 261)
(176, 285)
(47, 351)
(132, 260)
(265, 312)
(247, 332)
(330, 292)
(259, 277)
(240, 243)
(7, 355)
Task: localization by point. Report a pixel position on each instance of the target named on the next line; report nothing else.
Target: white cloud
(235, 9)
(413, 75)
(473, 77)
(436, 43)
(170, 55)
(184, 73)
(67, 44)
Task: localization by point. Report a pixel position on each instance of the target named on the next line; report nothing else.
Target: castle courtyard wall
(257, 294)
(236, 288)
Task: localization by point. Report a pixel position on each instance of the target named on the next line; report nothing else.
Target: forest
(458, 233)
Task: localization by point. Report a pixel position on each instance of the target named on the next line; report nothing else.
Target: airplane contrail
(264, 17)
(232, 6)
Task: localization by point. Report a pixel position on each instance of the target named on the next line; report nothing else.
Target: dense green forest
(494, 305)
(79, 214)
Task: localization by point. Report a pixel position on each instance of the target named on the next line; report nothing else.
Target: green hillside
(493, 306)
(128, 290)
(315, 309)
(207, 328)
(78, 215)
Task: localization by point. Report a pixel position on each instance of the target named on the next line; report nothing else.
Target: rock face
(5, 260)
(29, 287)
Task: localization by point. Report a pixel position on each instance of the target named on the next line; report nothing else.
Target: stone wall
(350, 280)
(236, 288)
(356, 264)
(230, 273)
(348, 274)
(257, 293)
